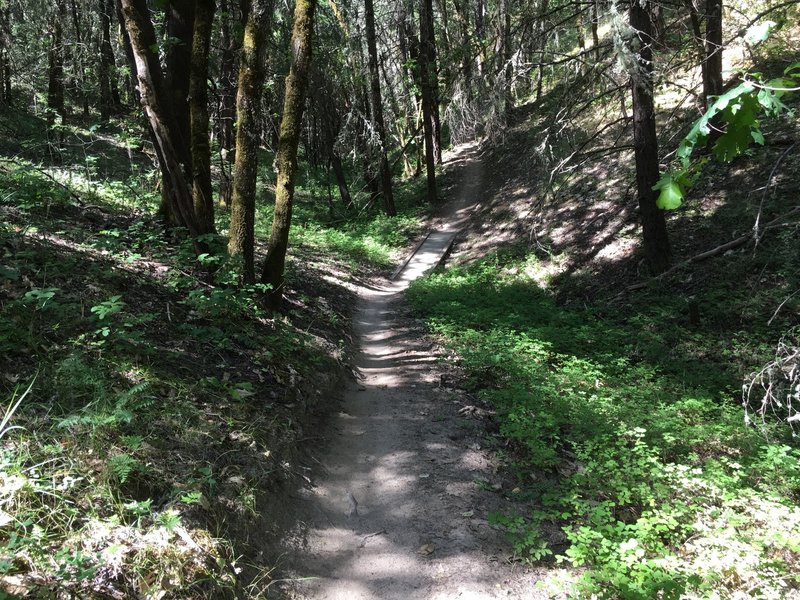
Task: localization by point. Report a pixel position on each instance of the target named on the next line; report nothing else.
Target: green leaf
(760, 32)
(671, 196)
(792, 67)
(758, 137)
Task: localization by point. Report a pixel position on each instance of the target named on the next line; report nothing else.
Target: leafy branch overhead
(734, 118)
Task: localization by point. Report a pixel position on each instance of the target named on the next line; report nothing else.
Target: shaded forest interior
(192, 193)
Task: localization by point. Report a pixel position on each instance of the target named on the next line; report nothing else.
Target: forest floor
(398, 503)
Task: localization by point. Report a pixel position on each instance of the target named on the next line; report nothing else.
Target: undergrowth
(151, 406)
(628, 434)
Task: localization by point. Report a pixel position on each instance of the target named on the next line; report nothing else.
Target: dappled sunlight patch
(628, 438)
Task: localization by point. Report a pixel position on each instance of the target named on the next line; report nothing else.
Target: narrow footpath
(398, 508)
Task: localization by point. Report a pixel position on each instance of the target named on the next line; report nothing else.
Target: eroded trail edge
(399, 505)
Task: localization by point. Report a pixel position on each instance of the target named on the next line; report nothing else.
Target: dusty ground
(398, 504)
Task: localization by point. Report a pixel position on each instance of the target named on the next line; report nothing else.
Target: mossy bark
(202, 193)
(248, 102)
(294, 102)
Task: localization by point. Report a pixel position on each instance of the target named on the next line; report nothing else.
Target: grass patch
(629, 434)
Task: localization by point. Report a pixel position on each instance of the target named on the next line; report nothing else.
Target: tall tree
(427, 74)
(5, 60)
(177, 76)
(430, 76)
(78, 57)
(707, 30)
(294, 102)
(248, 103)
(157, 108)
(377, 109)
(654, 229)
(202, 192)
(227, 99)
(55, 60)
(106, 71)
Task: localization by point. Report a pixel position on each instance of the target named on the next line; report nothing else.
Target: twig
(777, 310)
(371, 535)
(756, 233)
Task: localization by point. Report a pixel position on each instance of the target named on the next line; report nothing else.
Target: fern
(122, 465)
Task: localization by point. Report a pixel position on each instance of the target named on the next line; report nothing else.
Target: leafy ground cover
(152, 409)
(629, 434)
(619, 399)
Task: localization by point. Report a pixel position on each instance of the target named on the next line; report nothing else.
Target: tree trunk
(180, 28)
(248, 104)
(294, 102)
(462, 16)
(105, 72)
(202, 192)
(227, 101)
(709, 46)
(654, 230)
(157, 109)
(55, 60)
(428, 104)
(341, 181)
(377, 110)
(712, 74)
(595, 33)
(508, 67)
(5, 62)
(428, 50)
(78, 57)
(480, 33)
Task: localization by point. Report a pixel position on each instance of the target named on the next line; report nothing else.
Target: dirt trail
(399, 507)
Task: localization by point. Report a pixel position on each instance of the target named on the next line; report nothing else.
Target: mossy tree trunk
(141, 38)
(294, 102)
(248, 102)
(202, 192)
(377, 109)
(654, 229)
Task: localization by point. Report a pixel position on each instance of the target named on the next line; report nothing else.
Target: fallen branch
(735, 243)
(68, 189)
